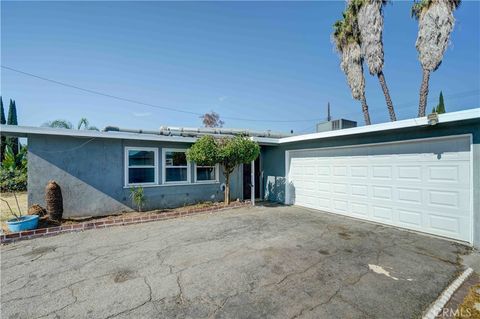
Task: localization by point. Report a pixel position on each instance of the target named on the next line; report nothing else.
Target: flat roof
(25, 131)
(410, 123)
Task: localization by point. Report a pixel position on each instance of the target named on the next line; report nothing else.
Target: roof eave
(410, 123)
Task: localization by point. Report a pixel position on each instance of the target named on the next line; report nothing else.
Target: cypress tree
(441, 104)
(2, 111)
(12, 120)
(2, 138)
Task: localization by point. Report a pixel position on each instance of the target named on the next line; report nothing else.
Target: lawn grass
(5, 213)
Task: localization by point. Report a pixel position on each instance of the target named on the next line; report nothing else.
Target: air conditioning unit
(339, 124)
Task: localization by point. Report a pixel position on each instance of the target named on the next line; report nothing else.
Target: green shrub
(13, 180)
(138, 197)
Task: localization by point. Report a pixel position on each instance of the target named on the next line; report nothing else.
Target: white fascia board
(24, 131)
(422, 121)
(265, 140)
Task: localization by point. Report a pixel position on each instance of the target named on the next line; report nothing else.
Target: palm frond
(83, 121)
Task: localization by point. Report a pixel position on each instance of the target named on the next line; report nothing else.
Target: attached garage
(424, 184)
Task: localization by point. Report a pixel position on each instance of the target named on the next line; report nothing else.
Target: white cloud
(141, 114)
(222, 98)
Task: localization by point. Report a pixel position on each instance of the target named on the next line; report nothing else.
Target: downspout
(252, 183)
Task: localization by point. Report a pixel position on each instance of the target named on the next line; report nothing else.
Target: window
(141, 166)
(205, 174)
(175, 166)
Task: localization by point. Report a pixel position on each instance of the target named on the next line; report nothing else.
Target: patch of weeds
(470, 308)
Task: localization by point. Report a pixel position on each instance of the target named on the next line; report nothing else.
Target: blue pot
(27, 222)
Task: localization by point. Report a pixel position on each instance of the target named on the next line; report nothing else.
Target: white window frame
(165, 166)
(211, 181)
(155, 166)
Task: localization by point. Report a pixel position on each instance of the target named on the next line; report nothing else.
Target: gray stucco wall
(274, 157)
(91, 176)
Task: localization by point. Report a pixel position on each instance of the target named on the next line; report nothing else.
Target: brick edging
(149, 217)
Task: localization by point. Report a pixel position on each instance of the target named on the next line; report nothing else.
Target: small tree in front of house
(228, 152)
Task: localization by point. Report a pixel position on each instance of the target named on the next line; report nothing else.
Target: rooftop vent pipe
(194, 132)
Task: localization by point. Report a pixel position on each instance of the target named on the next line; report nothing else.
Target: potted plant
(20, 223)
(12, 163)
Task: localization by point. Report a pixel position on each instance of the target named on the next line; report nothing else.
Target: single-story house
(414, 174)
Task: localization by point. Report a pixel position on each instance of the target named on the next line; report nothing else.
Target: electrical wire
(124, 99)
(144, 103)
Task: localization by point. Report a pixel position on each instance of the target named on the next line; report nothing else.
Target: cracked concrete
(262, 262)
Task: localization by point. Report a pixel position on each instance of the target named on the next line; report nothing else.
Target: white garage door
(423, 185)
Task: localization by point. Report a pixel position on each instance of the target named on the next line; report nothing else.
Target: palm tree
(86, 125)
(346, 38)
(68, 125)
(370, 24)
(435, 23)
(59, 124)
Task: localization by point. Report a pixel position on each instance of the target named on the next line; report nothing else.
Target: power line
(144, 103)
(124, 99)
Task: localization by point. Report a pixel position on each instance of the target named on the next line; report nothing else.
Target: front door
(247, 177)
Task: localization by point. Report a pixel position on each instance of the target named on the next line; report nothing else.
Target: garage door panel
(340, 189)
(340, 205)
(409, 195)
(382, 212)
(410, 218)
(359, 171)
(340, 171)
(444, 223)
(409, 173)
(382, 172)
(421, 185)
(359, 208)
(382, 192)
(359, 190)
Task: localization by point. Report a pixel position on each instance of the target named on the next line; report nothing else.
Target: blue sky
(266, 61)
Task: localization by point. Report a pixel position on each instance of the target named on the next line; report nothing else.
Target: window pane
(141, 175)
(175, 159)
(176, 174)
(205, 173)
(141, 158)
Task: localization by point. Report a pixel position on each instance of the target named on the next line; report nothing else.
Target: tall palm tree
(346, 38)
(435, 23)
(370, 24)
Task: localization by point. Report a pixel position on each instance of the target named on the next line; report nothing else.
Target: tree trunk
(366, 115)
(227, 189)
(54, 201)
(383, 84)
(422, 105)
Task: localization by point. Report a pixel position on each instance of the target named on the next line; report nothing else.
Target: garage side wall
(90, 173)
(274, 157)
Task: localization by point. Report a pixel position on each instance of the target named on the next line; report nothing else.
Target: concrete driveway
(262, 262)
